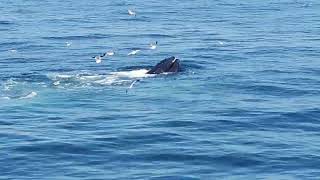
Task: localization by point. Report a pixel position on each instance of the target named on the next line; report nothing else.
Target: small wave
(152, 35)
(9, 84)
(12, 50)
(28, 96)
(6, 23)
(7, 29)
(5, 98)
(14, 60)
(77, 37)
(35, 47)
(63, 76)
(141, 19)
(15, 43)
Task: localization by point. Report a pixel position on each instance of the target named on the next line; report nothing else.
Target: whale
(168, 65)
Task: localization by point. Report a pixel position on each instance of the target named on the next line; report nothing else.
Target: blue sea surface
(246, 104)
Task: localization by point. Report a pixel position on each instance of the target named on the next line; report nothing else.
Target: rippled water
(244, 106)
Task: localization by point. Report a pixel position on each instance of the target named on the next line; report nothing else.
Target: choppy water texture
(245, 106)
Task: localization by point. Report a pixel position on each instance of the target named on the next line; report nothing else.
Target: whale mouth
(174, 67)
(168, 65)
(174, 60)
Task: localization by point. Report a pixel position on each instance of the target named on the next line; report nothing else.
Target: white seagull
(68, 44)
(132, 85)
(153, 45)
(56, 83)
(134, 52)
(110, 53)
(131, 13)
(99, 58)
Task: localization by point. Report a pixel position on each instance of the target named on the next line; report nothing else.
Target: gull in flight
(132, 85)
(131, 13)
(153, 45)
(56, 83)
(99, 58)
(220, 42)
(134, 52)
(68, 44)
(110, 53)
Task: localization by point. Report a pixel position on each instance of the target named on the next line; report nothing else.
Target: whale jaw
(168, 65)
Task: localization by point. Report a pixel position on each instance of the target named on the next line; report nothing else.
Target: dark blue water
(246, 104)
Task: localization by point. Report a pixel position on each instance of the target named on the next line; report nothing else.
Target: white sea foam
(63, 76)
(13, 50)
(88, 79)
(6, 87)
(9, 84)
(5, 98)
(28, 96)
(133, 74)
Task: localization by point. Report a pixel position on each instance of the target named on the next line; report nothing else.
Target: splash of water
(89, 79)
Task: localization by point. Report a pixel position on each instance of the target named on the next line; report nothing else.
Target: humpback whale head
(170, 64)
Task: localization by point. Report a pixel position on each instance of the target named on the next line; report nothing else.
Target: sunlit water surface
(244, 106)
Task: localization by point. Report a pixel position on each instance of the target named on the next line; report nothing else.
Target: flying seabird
(153, 45)
(134, 52)
(132, 84)
(99, 58)
(131, 13)
(110, 53)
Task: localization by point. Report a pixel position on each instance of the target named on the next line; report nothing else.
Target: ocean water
(246, 104)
